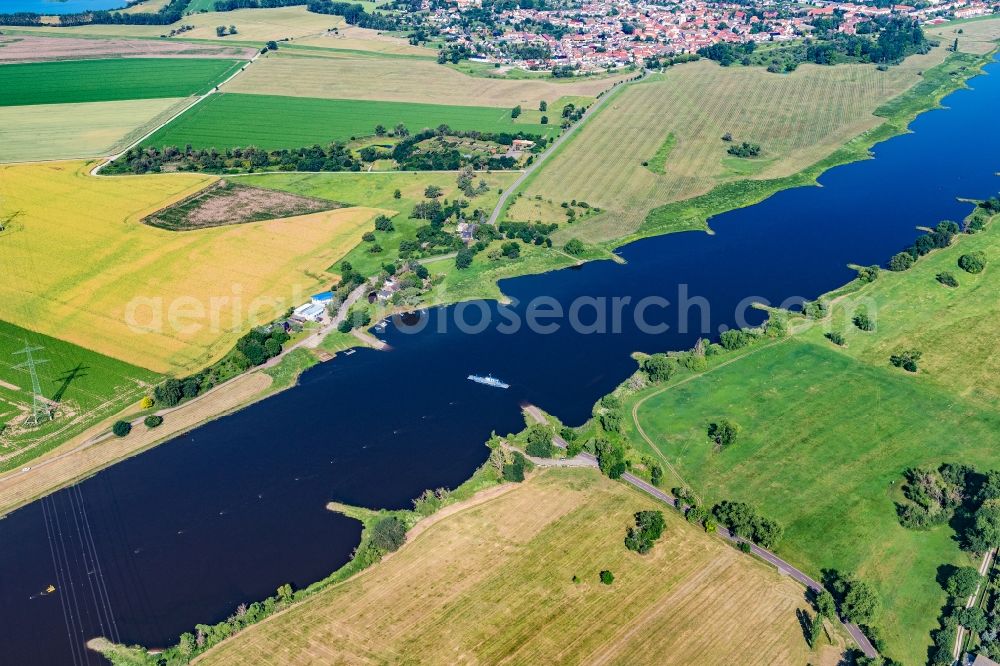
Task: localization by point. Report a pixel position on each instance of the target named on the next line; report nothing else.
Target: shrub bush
(723, 432)
(947, 279)
(574, 246)
(649, 526)
(901, 262)
(388, 534)
(864, 322)
(907, 360)
(607, 577)
(836, 338)
(868, 274)
(974, 262)
(121, 428)
(153, 421)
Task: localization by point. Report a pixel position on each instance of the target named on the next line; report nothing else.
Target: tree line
(353, 13)
(172, 12)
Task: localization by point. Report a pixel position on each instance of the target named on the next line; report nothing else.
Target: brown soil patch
(37, 48)
(225, 202)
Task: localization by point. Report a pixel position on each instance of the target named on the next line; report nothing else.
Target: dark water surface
(57, 6)
(185, 532)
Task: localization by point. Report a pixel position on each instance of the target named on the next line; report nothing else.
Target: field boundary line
(215, 89)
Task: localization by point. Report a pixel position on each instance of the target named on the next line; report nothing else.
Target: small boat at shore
(489, 380)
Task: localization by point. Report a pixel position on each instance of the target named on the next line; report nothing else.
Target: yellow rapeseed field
(79, 265)
(494, 583)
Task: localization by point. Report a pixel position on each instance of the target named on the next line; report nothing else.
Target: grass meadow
(401, 80)
(66, 131)
(798, 119)
(80, 266)
(110, 79)
(308, 121)
(453, 593)
(827, 431)
(87, 386)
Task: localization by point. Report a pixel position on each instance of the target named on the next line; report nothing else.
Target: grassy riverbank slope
(495, 582)
(827, 431)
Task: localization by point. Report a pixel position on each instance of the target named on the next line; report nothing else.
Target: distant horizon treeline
(354, 13)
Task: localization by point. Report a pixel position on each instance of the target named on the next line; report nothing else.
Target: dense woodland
(883, 40)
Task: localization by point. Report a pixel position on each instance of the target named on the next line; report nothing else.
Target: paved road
(540, 159)
(588, 460)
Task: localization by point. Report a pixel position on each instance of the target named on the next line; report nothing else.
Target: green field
(827, 431)
(108, 80)
(86, 385)
(271, 121)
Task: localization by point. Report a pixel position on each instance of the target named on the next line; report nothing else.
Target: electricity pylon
(41, 411)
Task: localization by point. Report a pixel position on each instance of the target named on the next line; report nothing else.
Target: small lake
(225, 514)
(58, 6)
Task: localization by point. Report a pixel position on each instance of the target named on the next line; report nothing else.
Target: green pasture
(272, 121)
(86, 385)
(827, 431)
(111, 79)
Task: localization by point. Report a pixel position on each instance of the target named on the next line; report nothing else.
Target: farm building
(324, 298)
(309, 312)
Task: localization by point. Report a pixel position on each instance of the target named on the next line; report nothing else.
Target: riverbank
(533, 551)
(468, 285)
(840, 422)
(97, 448)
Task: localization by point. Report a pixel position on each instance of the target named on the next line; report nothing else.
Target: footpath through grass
(111, 79)
(827, 431)
(272, 121)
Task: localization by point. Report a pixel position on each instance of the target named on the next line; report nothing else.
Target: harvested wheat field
(39, 48)
(494, 584)
(400, 80)
(87, 129)
(975, 36)
(797, 119)
(353, 38)
(81, 266)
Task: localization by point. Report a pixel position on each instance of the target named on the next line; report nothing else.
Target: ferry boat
(489, 380)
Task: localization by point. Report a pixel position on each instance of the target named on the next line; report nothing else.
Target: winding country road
(591, 110)
(588, 459)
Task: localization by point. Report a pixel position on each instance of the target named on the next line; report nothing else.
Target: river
(187, 531)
